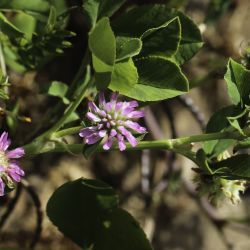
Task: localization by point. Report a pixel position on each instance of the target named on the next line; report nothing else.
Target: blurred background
(156, 187)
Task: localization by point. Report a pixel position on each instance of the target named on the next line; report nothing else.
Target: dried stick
(11, 206)
(36, 201)
(193, 109)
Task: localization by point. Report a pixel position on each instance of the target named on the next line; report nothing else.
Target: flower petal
(113, 132)
(15, 153)
(102, 133)
(133, 104)
(131, 139)
(108, 143)
(87, 131)
(92, 139)
(136, 114)
(93, 108)
(135, 126)
(93, 117)
(15, 172)
(2, 186)
(102, 101)
(4, 141)
(121, 143)
(114, 97)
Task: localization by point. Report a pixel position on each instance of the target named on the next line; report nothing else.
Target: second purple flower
(113, 121)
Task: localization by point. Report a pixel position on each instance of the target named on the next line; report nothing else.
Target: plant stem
(72, 107)
(73, 91)
(179, 145)
(68, 131)
(2, 61)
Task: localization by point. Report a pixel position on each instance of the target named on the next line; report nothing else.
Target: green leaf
(102, 44)
(3, 86)
(219, 122)
(8, 28)
(203, 161)
(89, 150)
(237, 167)
(163, 40)
(238, 78)
(161, 73)
(25, 23)
(51, 20)
(159, 79)
(72, 118)
(191, 40)
(235, 120)
(103, 73)
(87, 212)
(58, 89)
(96, 9)
(60, 5)
(124, 77)
(243, 144)
(34, 5)
(138, 20)
(127, 47)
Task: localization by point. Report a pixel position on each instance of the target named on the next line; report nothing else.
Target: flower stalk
(177, 145)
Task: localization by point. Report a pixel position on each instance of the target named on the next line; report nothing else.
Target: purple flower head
(113, 121)
(10, 171)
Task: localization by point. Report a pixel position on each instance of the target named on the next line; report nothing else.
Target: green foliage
(139, 20)
(127, 47)
(50, 41)
(3, 84)
(31, 5)
(154, 39)
(87, 212)
(102, 44)
(136, 60)
(159, 79)
(26, 23)
(244, 144)
(220, 122)
(58, 89)
(236, 167)
(96, 9)
(40, 32)
(238, 78)
(233, 117)
(8, 28)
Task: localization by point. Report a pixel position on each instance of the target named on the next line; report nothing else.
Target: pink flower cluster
(113, 121)
(10, 171)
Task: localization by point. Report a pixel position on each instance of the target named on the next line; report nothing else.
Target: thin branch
(36, 201)
(2, 61)
(145, 171)
(194, 110)
(11, 206)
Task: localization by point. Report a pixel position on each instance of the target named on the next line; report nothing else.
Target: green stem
(71, 92)
(2, 61)
(72, 107)
(180, 145)
(68, 131)
(79, 74)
